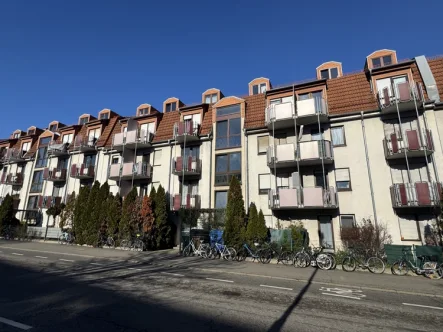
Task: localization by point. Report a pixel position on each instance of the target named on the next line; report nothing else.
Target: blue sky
(59, 59)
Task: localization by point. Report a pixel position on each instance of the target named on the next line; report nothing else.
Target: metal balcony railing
(82, 171)
(418, 194)
(303, 198)
(188, 201)
(410, 142)
(56, 148)
(12, 179)
(188, 129)
(46, 202)
(131, 139)
(85, 143)
(129, 171)
(14, 155)
(404, 95)
(187, 166)
(55, 174)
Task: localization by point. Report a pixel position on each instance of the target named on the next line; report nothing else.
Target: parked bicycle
(222, 251)
(66, 237)
(313, 257)
(270, 252)
(246, 251)
(353, 259)
(104, 240)
(203, 249)
(9, 232)
(133, 243)
(426, 267)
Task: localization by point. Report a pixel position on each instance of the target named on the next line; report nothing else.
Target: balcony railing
(36, 187)
(55, 174)
(303, 198)
(12, 179)
(411, 143)
(130, 171)
(280, 115)
(132, 139)
(56, 149)
(313, 152)
(418, 194)
(186, 166)
(225, 179)
(282, 155)
(311, 110)
(406, 96)
(82, 171)
(85, 144)
(45, 202)
(188, 201)
(188, 130)
(14, 155)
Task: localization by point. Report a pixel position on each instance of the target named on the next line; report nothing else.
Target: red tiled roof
(82, 133)
(33, 149)
(105, 138)
(117, 128)
(255, 111)
(350, 93)
(166, 126)
(437, 70)
(207, 122)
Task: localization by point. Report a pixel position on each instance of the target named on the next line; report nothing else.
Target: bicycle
(9, 232)
(133, 243)
(191, 249)
(372, 263)
(246, 251)
(66, 237)
(426, 267)
(104, 240)
(313, 257)
(222, 251)
(270, 252)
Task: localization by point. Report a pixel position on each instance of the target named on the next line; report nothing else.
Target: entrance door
(326, 233)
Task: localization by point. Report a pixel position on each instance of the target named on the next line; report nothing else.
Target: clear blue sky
(59, 59)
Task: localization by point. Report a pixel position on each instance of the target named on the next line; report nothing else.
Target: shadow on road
(278, 325)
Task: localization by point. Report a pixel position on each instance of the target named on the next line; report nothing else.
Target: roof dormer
(31, 130)
(146, 109)
(329, 70)
(381, 58)
(211, 96)
(104, 114)
(172, 104)
(84, 119)
(54, 126)
(259, 85)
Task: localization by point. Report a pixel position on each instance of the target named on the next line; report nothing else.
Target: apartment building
(327, 152)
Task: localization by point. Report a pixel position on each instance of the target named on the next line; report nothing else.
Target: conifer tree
(127, 214)
(252, 228)
(67, 213)
(92, 215)
(162, 224)
(80, 214)
(114, 211)
(234, 232)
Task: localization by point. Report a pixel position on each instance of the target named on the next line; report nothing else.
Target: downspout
(210, 175)
(96, 164)
(68, 175)
(368, 166)
(170, 167)
(247, 170)
(29, 184)
(437, 178)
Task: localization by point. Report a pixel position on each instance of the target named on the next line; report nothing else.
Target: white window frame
(157, 155)
(347, 216)
(68, 138)
(343, 136)
(341, 176)
(265, 146)
(264, 183)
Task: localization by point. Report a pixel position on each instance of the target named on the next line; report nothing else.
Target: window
(157, 157)
(53, 127)
(228, 133)
(191, 151)
(228, 110)
(342, 179)
(347, 221)
(170, 107)
(211, 99)
(104, 116)
(259, 88)
(326, 235)
(338, 136)
(281, 100)
(282, 181)
(376, 62)
(280, 138)
(89, 160)
(17, 135)
(67, 138)
(264, 183)
(315, 95)
(387, 60)
(31, 131)
(143, 111)
(83, 120)
(62, 164)
(317, 135)
(221, 199)
(25, 147)
(147, 128)
(45, 141)
(321, 180)
(115, 160)
(42, 157)
(56, 191)
(329, 73)
(409, 228)
(37, 182)
(262, 144)
(227, 166)
(32, 203)
(382, 61)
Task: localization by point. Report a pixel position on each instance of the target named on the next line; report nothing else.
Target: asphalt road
(50, 287)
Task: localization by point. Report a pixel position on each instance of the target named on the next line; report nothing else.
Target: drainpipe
(437, 178)
(368, 166)
(68, 175)
(210, 175)
(247, 170)
(96, 164)
(29, 185)
(170, 167)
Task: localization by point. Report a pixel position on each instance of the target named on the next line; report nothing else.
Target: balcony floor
(409, 154)
(187, 173)
(313, 162)
(309, 119)
(189, 138)
(283, 164)
(58, 153)
(281, 124)
(402, 107)
(305, 208)
(83, 177)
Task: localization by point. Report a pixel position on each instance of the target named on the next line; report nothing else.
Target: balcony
(188, 166)
(313, 152)
(312, 110)
(187, 202)
(14, 156)
(85, 144)
(283, 155)
(410, 143)
(12, 179)
(45, 202)
(57, 149)
(82, 171)
(134, 139)
(130, 171)
(55, 174)
(186, 131)
(418, 194)
(303, 198)
(280, 116)
(406, 96)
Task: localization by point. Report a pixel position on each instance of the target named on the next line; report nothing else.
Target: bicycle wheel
(286, 258)
(434, 271)
(376, 265)
(348, 264)
(61, 239)
(266, 256)
(203, 252)
(334, 260)
(399, 268)
(187, 251)
(232, 253)
(301, 260)
(110, 242)
(138, 245)
(125, 244)
(212, 253)
(242, 254)
(324, 262)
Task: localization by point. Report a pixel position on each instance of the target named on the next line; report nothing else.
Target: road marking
(41, 257)
(133, 268)
(338, 295)
(422, 306)
(222, 280)
(47, 252)
(14, 253)
(276, 287)
(343, 292)
(96, 264)
(65, 260)
(174, 274)
(15, 324)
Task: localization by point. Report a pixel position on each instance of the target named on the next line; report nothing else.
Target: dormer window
(259, 88)
(16, 135)
(329, 73)
(53, 127)
(211, 98)
(83, 120)
(31, 131)
(382, 61)
(170, 107)
(104, 116)
(143, 111)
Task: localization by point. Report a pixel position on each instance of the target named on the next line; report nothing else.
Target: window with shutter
(347, 221)
(157, 157)
(342, 179)
(263, 143)
(408, 228)
(264, 183)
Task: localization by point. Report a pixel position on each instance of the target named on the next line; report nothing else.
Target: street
(51, 287)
